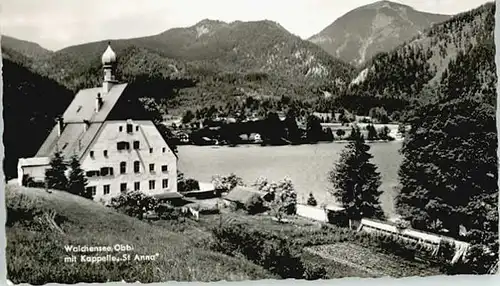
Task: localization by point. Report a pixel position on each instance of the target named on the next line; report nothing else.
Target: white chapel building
(117, 150)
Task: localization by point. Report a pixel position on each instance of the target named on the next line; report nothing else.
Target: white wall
(311, 212)
(36, 172)
(148, 137)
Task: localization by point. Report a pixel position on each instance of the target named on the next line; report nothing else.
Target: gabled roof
(74, 140)
(81, 122)
(83, 105)
(242, 194)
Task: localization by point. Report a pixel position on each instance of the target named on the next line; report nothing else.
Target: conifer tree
(355, 180)
(77, 182)
(55, 176)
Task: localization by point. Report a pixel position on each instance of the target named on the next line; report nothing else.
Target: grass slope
(35, 245)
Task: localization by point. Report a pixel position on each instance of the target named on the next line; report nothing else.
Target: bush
(188, 185)
(311, 201)
(269, 251)
(134, 203)
(168, 212)
(315, 272)
(226, 183)
(254, 205)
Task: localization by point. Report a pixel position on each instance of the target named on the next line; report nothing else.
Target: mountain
(26, 48)
(257, 59)
(237, 47)
(459, 49)
(379, 27)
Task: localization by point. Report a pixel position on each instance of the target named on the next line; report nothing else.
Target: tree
(227, 183)
(77, 182)
(55, 176)
(285, 200)
(372, 132)
(187, 185)
(402, 129)
(449, 170)
(293, 131)
(356, 182)
(340, 133)
(311, 201)
(134, 203)
(383, 133)
(188, 116)
(379, 114)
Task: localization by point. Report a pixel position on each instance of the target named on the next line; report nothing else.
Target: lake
(306, 165)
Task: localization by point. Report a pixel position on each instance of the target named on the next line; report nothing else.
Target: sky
(55, 24)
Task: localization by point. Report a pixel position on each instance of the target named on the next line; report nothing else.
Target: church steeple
(108, 63)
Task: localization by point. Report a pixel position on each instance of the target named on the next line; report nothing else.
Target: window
(106, 189)
(92, 154)
(150, 150)
(136, 144)
(92, 190)
(152, 184)
(92, 173)
(129, 128)
(123, 187)
(123, 168)
(105, 153)
(164, 149)
(137, 186)
(137, 128)
(120, 128)
(151, 167)
(164, 168)
(122, 145)
(106, 171)
(137, 166)
(165, 183)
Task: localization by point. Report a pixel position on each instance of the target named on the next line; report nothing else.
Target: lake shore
(306, 165)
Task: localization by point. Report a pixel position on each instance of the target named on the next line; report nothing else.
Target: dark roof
(243, 194)
(168, 196)
(81, 123)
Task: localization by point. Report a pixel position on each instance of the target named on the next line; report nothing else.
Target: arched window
(123, 167)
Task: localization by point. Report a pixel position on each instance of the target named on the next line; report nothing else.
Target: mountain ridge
(365, 31)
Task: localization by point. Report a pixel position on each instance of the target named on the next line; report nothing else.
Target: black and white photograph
(216, 140)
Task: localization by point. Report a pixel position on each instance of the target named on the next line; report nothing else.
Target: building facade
(118, 154)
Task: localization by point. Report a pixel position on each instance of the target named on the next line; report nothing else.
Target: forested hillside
(30, 104)
(410, 73)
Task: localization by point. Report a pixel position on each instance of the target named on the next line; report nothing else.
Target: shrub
(134, 203)
(254, 205)
(188, 185)
(226, 183)
(311, 201)
(267, 250)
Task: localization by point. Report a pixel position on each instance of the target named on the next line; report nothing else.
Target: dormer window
(164, 149)
(105, 153)
(92, 154)
(129, 128)
(120, 128)
(137, 128)
(122, 145)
